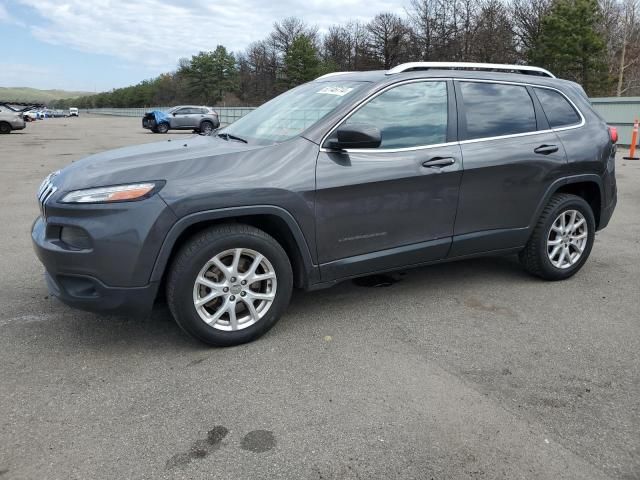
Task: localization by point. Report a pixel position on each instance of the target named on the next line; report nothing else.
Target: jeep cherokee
(348, 175)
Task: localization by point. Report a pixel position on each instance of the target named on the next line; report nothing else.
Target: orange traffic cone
(634, 142)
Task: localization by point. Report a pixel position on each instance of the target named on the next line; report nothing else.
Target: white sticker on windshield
(340, 91)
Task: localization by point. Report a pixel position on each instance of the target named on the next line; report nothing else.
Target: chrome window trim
(499, 137)
(532, 85)
(391, 150)
(459, 142)
(366, 100)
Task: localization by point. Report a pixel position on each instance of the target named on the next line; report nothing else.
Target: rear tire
(5, 128)
(204, 269)
(558, 247)
(206, 128)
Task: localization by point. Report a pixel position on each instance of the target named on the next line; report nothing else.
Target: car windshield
(289, 114)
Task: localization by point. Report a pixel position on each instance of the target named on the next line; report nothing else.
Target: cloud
(6, 17)
(157, 33)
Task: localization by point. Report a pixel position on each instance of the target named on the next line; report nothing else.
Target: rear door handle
(439, 162)
(546, 149)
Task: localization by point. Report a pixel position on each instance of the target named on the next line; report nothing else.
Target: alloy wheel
(235, 289)
(567, 239)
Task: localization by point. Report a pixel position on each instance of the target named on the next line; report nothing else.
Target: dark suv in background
(185, 117)
(351, 174)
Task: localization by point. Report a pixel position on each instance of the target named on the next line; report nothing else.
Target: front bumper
(88, 293)
(111, 270)
(18, 125)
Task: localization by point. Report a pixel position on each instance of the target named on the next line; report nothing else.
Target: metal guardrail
(227, 115)
(618, 112)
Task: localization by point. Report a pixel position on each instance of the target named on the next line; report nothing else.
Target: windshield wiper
(228, 136)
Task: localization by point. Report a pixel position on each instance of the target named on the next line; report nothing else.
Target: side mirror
(174, 114)
(356, 135)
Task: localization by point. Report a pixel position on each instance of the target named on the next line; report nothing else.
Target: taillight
(613, 134)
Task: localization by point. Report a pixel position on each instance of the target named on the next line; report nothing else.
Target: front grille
(46, 190)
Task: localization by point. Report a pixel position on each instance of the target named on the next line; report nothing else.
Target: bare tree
(493, 38)
(388, 39)
(286, 31)
(258, 68)
(338, 48)
(629, 55)
(422, 17)
(527, 18)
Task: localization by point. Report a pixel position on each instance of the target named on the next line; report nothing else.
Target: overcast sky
(97, 45)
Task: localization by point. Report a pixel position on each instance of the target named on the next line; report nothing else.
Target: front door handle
(439, 162)
(546, 149)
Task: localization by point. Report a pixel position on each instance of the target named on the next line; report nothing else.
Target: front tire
(229, 284)
(162, 128)
(5, 128)
(562, 239)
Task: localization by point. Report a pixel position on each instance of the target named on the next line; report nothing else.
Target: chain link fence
(227, 115)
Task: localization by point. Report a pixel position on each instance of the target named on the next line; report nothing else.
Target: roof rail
(332, 74)
(525, 69)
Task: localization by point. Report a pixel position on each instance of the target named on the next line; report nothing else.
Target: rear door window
(557, 108)
(495, 109)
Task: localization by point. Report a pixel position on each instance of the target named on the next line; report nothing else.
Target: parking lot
(471, 369)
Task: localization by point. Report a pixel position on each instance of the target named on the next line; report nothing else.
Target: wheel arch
(275, 221)
(587, 186)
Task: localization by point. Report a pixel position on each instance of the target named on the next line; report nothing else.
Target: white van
(73, 112)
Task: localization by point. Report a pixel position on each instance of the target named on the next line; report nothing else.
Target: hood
(154, 161)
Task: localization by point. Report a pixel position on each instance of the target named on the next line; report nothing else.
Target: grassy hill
(25, 94)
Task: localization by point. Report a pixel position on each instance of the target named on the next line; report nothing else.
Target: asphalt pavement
(471, 370)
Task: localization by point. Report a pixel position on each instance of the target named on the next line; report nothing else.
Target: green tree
(210, 74)
(571, 45)
(301, 62)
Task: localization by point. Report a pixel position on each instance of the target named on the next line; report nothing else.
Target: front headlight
(114, 193)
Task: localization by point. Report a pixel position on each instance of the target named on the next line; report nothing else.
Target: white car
(73, 112)
(30, 116)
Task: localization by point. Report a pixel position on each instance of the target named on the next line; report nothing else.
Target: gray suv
(184, 117)
(351, 174)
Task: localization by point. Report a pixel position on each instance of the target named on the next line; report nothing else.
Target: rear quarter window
(559, 112)
(495, 109)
